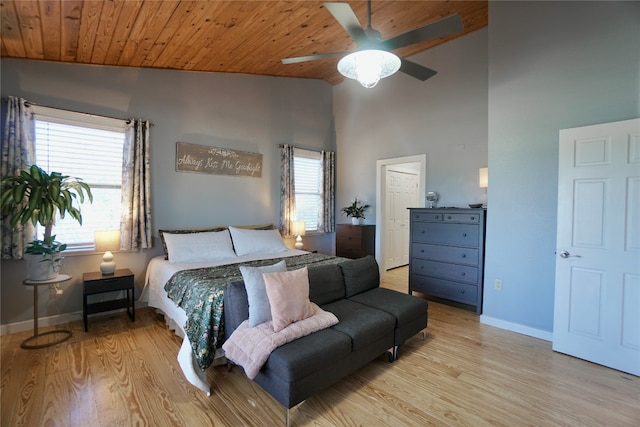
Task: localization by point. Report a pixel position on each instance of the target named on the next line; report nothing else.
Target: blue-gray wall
(552, 65)
(249, 113)
(539, 67)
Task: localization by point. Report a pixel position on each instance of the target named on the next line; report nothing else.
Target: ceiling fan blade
(444, 27)
(343, 13)
(298, 59)
(416, 70)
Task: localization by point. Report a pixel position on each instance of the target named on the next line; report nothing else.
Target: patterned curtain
(135, 222)
(287, 190)
(18, 154)
(327, 220)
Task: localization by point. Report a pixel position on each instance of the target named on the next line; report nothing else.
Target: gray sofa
(372, 321)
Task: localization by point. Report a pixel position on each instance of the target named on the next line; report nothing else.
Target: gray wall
(444, 117)
(249, 113)
(538, 68)
(552, 65)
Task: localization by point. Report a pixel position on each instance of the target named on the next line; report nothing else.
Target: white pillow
(249, 242)
(198, 247)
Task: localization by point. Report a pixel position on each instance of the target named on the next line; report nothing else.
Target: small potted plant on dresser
(41, 197)
(355, 211)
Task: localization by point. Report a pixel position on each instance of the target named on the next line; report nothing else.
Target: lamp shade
(484, 177)
(298, 228)
(107, 241)
(369, 66)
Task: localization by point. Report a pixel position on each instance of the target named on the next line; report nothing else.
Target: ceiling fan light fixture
(369, 66)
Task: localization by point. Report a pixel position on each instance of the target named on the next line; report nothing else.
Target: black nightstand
(97, 283)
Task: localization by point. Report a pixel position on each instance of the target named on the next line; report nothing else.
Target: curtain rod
(128, 121)
(303, 148)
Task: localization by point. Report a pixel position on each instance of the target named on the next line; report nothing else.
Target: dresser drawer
(348, 247)
(460, 292)
(443, 270)
(345, 230)
(455, 254)
(465, 218)
(427, 216)
(445, 234)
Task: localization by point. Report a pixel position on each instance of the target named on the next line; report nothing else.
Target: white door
(597, 290)
(401, 193)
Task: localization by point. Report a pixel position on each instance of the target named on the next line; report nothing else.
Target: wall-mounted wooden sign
(217, 161)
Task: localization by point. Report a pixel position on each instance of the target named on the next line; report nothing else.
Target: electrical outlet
(497, 285)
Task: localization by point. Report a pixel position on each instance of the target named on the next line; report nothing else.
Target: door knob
(566, 254)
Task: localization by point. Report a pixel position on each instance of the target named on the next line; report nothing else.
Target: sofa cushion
(236, 308)
(403, 307)
(304, 356)
(360, 275)
(325, 284)
(361, 323)
(288, 294)
(259, 308)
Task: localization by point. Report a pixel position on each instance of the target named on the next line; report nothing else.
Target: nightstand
(97, 283)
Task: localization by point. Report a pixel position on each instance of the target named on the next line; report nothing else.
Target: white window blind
(88, 147)
(307, 167)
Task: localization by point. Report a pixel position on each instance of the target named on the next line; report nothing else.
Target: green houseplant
(39, 197)
(355, 210)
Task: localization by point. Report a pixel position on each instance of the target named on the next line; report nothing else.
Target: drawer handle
(437, 216)
(449, 217)
(462, 291)
(463, 273)
(422, 250)
(422, 231)
(464, 234)
(464, 255)
(473, 218)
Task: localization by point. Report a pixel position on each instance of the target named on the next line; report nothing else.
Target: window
(307, 167)
(87, 147)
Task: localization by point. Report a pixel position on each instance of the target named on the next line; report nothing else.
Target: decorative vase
(355, 221)
(43, 267)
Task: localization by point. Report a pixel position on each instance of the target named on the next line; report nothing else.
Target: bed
(186, 285)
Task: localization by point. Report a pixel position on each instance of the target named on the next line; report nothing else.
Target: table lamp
(107, 241)
(298, 229)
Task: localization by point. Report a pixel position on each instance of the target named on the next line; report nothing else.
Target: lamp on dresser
(298, 229)
(107, 241)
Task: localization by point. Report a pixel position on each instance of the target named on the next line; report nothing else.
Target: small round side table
(65, 333)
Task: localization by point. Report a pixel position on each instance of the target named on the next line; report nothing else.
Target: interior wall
(241, 112)
(444, 117)
(552, 65)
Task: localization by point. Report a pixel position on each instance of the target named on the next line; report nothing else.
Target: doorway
(399, 185)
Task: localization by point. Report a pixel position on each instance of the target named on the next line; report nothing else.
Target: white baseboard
(58, 319)
(27, 325)
(516, 327)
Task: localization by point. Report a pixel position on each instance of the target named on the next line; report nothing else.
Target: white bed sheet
(159, 271)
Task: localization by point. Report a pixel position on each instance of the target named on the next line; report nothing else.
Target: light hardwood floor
(464, 374)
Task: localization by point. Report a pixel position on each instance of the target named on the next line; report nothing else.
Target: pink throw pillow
(288, 294)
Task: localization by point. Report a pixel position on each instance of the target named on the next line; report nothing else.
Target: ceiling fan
(374, 60)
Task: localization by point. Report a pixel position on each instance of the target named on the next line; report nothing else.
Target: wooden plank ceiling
(248, 37)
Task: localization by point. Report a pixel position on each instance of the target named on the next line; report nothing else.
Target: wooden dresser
(355, 241)
(446, 257)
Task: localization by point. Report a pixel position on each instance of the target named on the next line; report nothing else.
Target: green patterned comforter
(200, 293)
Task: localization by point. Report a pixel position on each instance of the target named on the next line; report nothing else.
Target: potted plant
(40, 197)
(355, 211)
